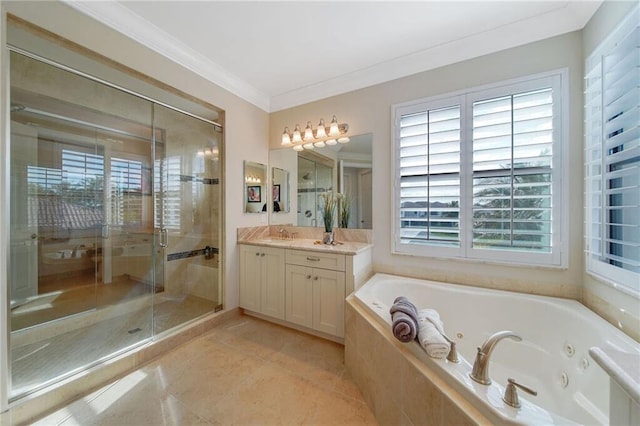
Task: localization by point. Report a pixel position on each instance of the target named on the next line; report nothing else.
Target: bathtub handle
(452, 356)
(511, 393)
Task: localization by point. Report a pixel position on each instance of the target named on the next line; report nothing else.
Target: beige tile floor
(245, 372)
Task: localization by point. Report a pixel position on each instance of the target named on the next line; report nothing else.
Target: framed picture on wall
(253, 194)
(276, 193)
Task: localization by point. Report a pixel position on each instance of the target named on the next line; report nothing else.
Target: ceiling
(281, 54)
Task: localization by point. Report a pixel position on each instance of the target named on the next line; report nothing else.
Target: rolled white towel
(430, 334)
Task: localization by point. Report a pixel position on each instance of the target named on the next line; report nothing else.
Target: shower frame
(5, 129)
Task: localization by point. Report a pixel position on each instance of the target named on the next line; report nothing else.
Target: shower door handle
(105, 231)
(163, 237)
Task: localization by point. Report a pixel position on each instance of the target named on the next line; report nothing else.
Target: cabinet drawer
(316, 259)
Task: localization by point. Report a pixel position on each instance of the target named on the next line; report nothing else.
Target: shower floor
(50, 358)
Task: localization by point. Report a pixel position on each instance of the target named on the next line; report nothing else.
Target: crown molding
(128, 23)
(572, 16)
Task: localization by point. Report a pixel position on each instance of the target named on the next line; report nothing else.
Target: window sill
(483, 261)
(614, 285)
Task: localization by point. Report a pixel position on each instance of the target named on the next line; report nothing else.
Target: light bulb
(296, 134)
(308, 132)
(332, 142)
(298, 148)
(343, 140)
(333, 128)
(319, 144)
(308, 145)
(321, 132)
(286, 139)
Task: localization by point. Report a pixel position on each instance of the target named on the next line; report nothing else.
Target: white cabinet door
(272, 286)
(299, 295)
(250, 277)
(328, 301)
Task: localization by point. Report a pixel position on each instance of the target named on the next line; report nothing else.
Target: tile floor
(246, 372)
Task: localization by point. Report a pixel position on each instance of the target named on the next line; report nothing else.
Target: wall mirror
(342, 168)
(280, 191)
(255, 187)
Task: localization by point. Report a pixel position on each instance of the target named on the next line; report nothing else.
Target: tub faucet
(480, 372)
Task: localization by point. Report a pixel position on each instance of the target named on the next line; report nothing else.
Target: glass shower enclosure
(315, 177)
(114, 206)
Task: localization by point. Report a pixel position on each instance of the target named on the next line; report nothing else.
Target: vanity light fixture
(316, 138)
(286, 138)
(296, 138)
(308, 133)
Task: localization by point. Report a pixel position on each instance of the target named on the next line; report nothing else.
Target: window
(612, 157)
(126, 192)
(68, 198)
(167, 183)
(72, 196)
(479, 176)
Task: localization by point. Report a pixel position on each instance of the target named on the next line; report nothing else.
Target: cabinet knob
(308, 277)
(315, 278)
(257, 254)
(261, 254)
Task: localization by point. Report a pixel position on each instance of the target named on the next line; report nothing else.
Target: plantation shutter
(612, 156)
(126, 192)
(167, 185)
(621, 118)
(429, 157)
(593, 162)
(512, 172)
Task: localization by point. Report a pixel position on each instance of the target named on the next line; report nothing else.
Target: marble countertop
(622, 367)
(346, 247)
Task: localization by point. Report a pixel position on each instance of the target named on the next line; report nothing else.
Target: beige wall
(369, 110)
(246, 126)
(620, 309)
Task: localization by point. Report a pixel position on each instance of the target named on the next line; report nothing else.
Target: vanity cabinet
(300, 288)
(262, 280)
(315, 295)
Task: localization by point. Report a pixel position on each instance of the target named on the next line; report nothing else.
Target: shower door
(314, 180)
(84, 248)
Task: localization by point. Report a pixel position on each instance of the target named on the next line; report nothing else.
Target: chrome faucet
(283, 234)
(480, 372)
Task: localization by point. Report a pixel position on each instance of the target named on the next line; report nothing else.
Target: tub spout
(480, 372)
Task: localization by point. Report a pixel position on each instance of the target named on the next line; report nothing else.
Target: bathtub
(552, 357)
